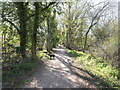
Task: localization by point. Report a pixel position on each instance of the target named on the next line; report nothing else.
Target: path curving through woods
(60, 72)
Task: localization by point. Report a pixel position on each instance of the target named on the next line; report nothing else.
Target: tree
(92, 23)
(74, 19)
(69, 32)
(51, 29)
(22, 15)
(35, 27)
(38, 12)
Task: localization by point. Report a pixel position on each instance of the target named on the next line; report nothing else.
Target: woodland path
(60, 72)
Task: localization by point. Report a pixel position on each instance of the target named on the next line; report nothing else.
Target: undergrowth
(20, 70)
(42, 54)
(99, 67)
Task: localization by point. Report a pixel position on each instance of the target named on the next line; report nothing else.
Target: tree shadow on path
(95, 80)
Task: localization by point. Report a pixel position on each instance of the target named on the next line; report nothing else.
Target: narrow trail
(61, 72)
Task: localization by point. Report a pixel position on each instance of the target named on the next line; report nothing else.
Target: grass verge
(98, 67)
(43, 55)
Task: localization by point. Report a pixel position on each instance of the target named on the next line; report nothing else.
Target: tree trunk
(68, 44)
(49, 46)
(34, 34)
(85, 43)
(22, 14)
(86, 35)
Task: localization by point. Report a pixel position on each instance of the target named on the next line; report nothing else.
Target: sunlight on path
(56, 74)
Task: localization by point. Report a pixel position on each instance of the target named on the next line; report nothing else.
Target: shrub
(41, 54)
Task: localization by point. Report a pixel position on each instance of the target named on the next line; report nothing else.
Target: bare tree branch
(92, 24)
(51, 3)
(5, 19)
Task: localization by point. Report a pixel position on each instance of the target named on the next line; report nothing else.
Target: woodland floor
(60, 72)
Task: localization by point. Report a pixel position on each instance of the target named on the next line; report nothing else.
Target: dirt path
(61, 72)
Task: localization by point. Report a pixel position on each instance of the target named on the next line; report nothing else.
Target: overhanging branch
(5, 19)
(51, 3)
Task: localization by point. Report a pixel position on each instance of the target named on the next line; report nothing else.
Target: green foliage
(104, 42)
(74, 53)
(21, 69)
(42, 54)
(98, 67)
(54, 31)
(26, 66)
(17, 75)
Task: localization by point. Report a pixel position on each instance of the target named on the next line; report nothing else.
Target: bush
(74, 53)
(42, 54)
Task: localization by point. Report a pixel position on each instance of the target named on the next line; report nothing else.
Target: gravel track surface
(60, 72)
